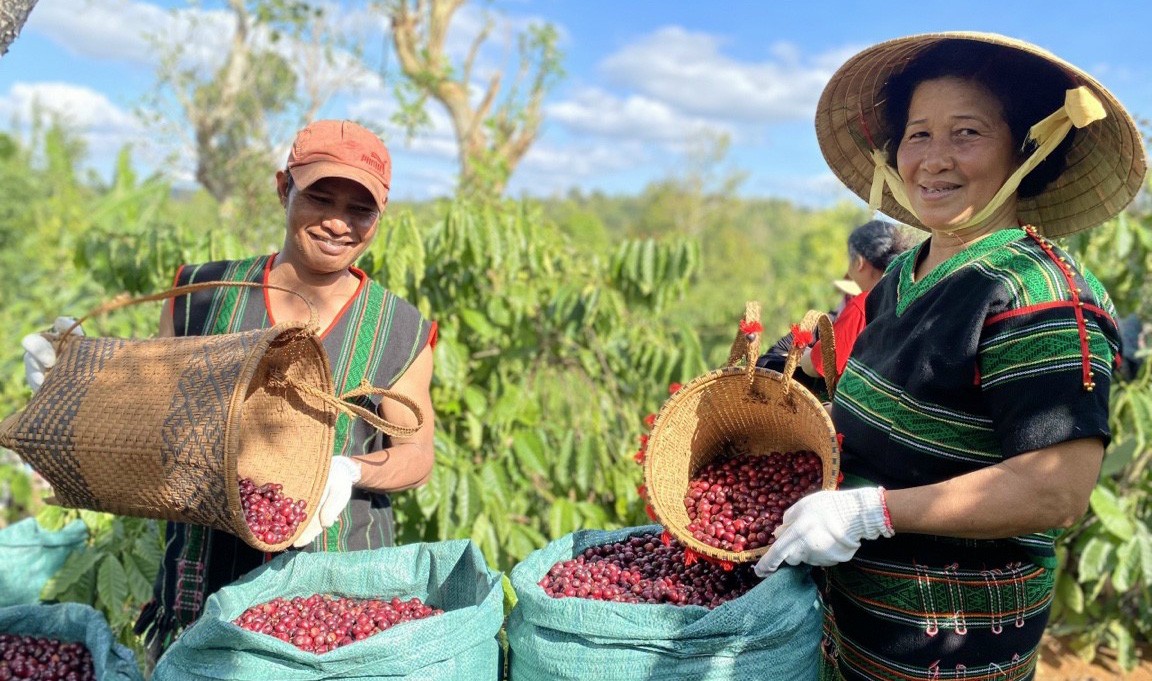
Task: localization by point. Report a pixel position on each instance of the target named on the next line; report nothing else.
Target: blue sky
(649, 83)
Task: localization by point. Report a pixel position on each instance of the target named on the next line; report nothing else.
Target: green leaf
(562, 463)
(1094, 559)
(428, 495)
(1127, 565)
(98, 523)
(1145, 542)
(1124, 644)
(147, 552)
(475, 400)
(529, 451)
(80, 563)
(1118, 456)
(1108, 510)
(593, 515)
(112, 582)
(466, 503)
(563, 518)
(484, 536)
(1069, 593)
(54, 518)
(584, 464)
(510, 598)
(139, 586)
(445, 526)
(476, 321)
(523, 540)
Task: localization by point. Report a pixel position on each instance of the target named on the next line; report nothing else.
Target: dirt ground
(1058, 663)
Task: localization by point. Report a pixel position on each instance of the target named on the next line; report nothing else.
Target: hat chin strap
(1080, 108)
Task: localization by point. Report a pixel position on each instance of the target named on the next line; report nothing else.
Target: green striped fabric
(375, 338)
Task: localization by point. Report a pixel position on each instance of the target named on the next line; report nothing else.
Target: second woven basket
(732, 411)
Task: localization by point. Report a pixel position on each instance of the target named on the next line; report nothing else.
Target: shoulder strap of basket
(126, 301)
(337, 402)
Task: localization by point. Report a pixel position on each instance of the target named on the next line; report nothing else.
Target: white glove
(40, 354)
(343, 473)
(825, 528)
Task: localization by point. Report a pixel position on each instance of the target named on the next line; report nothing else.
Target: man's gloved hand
(825, 528)
(343, 473)
(40, 354)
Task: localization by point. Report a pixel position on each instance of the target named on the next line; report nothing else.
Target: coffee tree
(547, 362)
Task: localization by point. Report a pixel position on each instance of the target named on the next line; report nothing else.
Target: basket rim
(232, 437)
(830, 462)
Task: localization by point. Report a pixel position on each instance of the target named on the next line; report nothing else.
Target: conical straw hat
(1105, 165)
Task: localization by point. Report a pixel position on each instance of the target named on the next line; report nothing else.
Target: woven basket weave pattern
(729, 412)
(162, 427)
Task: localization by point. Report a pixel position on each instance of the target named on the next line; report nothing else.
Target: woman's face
(955, 154)
(330, 224)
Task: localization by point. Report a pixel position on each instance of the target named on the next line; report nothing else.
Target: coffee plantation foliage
(562, 324)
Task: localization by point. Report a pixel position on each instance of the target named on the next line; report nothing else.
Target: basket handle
(812, 320)
(125, 301)
(355, 410)
(746, 345)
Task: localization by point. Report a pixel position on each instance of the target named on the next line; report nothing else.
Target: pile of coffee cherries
(32, 657)
(323, 622)
(272, 516)
(642, 569)
(736, 503)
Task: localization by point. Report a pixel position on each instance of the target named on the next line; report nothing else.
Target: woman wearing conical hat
(974, 407)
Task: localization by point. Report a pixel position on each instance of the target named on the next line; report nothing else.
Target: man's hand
(40, 353)
(343, 473)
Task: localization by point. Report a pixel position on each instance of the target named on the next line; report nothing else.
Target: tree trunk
(13, 14)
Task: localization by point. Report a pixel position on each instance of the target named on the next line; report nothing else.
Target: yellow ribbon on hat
(1081, 108)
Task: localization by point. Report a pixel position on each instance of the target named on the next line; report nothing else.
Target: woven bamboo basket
(733, 411)
(163, 427)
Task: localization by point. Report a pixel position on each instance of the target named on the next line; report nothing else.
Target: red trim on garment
(1078, 309)
(1044, 306)
(356, 272)
(433, 334)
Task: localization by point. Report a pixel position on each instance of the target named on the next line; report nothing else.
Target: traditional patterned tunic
(983, 359)
(376, 336)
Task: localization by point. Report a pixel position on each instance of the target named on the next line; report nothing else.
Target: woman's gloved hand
(825, 528)
(343, 473)
(40, 354)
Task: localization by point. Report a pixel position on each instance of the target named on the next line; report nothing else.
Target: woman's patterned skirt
(919, 607)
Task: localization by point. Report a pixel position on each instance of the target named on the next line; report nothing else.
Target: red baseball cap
(331, 148)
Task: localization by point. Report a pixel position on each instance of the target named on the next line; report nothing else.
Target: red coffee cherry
(320, 623)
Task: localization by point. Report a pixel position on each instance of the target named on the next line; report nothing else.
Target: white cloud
(582, 161)
(105, 127)
(81, 108)
(688, 71)
(111, 29)
(597, 112)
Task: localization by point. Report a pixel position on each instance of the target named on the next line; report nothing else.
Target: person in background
(334, 189)
(871, 247)
(974, 407)
(776, 356)
(1133, 346)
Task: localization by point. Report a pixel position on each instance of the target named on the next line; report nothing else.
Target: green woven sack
(30, 555)
(74, 623)
(452, 576)
(771, 632)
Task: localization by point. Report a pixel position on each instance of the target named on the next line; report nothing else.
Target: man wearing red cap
(333, 189)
